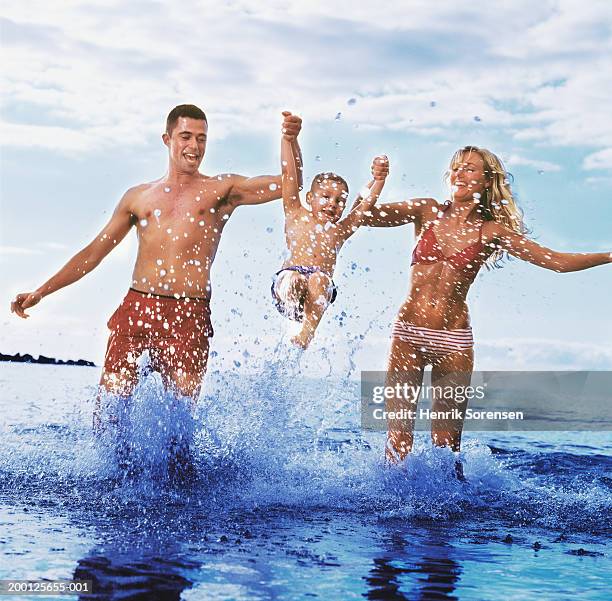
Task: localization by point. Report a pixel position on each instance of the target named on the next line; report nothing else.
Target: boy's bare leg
(298, 287)
(317, 300)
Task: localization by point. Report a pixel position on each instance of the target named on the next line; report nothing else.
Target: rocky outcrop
(27, 358)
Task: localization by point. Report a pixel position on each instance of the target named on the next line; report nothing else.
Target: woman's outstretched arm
(393, 214)
(523, 248)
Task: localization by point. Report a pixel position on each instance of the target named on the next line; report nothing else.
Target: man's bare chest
(203, 205)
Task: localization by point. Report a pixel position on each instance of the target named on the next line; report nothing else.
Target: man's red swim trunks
(174, 331)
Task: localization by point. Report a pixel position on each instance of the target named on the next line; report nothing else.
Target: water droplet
(144, 222)
(159, 261)
(157, 212)
(433, 103)
(540, 171)
(200, 223)
(477, 118)
(338, 116)
(162, 272)
(166, 189)
(352, 101)
(318, 158)
(269, 230)
(273, 187)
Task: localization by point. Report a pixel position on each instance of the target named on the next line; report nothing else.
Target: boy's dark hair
(331, 177)
(183, 110)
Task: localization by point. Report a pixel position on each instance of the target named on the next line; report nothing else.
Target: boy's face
(327, 199)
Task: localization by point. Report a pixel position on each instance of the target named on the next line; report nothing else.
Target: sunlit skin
(179, 220)
(438, 292)
(314, 237)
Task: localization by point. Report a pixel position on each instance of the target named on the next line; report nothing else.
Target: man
(179, 220)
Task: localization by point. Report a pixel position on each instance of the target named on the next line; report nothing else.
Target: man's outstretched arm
(264, 188)
(84, 261)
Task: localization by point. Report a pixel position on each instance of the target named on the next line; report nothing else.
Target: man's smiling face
(187, 143)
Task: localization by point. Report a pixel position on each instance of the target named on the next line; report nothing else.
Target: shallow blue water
(288, 499)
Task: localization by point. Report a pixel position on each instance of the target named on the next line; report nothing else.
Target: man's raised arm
(84, 261)
(264, 188)
(291, 170)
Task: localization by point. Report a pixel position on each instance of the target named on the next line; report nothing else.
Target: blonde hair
(497, 202)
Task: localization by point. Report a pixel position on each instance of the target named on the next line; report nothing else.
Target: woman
(478, 225)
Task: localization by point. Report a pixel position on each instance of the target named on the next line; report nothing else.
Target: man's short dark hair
(183, 110)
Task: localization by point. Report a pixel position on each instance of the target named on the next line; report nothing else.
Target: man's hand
(23, 301)
(292, 124)
(380, 167)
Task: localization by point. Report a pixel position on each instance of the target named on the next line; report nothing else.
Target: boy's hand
(292, 124)
(380, 167)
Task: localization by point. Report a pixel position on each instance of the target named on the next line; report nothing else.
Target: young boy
(304, 288)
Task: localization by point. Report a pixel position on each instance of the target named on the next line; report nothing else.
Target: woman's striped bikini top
(428, 250)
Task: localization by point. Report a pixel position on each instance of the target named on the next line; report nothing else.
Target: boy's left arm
(365, 201)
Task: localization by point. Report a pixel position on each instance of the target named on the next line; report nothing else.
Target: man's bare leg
(185, 383)
(117, 384)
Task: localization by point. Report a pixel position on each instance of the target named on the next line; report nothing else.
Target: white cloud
(85, 75)
(541, 354)
(53, 245)
(19, 250)
(599, 160)
(515, 159)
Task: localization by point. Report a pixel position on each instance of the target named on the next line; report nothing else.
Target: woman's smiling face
(468, 178)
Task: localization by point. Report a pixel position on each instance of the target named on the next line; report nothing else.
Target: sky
(87, 87)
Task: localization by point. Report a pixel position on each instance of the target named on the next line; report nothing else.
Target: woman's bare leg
(452, 372)
(405, 367)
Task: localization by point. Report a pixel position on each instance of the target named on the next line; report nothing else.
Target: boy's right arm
(85, 260)
(291, 171)
(365, 201)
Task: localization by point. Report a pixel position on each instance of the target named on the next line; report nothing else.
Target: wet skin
(179, 220)
(438, 291)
